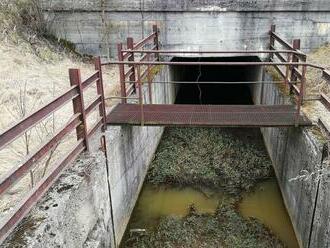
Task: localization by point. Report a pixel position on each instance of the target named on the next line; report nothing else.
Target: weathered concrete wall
(75, 212)
(189, 5)
(293, 150)
(321, 222)
(96, 26)
(130, 151)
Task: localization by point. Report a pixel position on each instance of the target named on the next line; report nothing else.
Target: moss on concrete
(275, 75)
(26, 227)
(153, 73)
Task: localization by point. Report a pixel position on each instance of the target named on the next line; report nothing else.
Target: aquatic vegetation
(228, 159)
(226, 228)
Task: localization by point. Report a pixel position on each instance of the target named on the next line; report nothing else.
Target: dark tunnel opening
(208, 93)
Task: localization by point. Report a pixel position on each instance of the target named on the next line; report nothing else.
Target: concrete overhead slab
(96, 28)
(188, 5)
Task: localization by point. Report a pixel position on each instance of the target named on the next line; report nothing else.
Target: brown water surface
(264, 203)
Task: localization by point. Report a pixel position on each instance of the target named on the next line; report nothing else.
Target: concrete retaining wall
(293, 150)
(96, 26)
(130, 151)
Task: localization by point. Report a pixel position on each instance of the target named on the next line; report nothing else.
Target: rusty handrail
(282, 41)
(7, 181)
(88, 82)
(295, 59)
(139, 82)
(93, 105)
(77, 121)
(326, 75)
(217, 82)
(129, 55)
(143, 42)
(28, 122)
(38, 191)
(213, 63)
(213, 51)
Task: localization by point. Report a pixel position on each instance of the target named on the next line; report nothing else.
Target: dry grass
(39, 80)
(315, 84)
(44, 80)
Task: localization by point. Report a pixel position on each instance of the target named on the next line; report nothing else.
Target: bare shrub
(21, 16)
(20, 104)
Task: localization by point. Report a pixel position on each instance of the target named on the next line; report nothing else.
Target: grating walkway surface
(206, 115)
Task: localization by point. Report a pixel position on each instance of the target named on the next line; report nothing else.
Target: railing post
(121, 73)
(303, 84)
(301, 94)
(100, 91)
(79, 107)
(139, 82)
(156, 40)
(271, 41)
(149, 80)
(295, 59)
(287, 71)
(130, 45)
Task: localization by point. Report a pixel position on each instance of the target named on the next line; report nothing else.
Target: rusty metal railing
(299, 91)
(129, 72)
(288, 61)
(78, 122)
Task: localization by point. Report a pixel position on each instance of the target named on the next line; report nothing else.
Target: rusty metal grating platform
(206, 115)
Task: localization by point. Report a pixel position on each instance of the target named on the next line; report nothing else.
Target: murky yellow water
(264, 204)
(158, 202)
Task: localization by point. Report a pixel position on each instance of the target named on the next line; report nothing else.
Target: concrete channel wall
(97, 26)
(293, 150)
(130, 151)
(77, 212)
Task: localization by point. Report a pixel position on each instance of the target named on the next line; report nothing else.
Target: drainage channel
(230, 200)
(211, 187)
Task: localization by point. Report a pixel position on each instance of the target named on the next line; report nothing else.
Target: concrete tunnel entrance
(210, 93)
